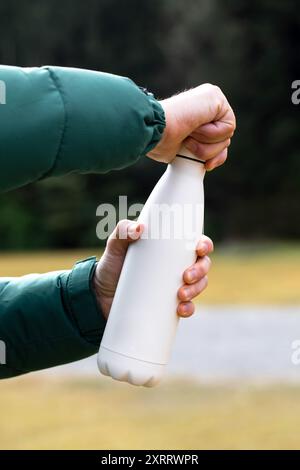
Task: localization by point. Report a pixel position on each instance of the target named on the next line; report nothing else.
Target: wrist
(164, 150)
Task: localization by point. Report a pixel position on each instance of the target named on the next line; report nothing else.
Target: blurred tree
(250, 49)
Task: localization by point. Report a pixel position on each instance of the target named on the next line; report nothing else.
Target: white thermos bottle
(142, 323)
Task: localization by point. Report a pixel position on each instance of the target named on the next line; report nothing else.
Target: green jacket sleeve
(48, 319)
(57, 121)
(61, 120)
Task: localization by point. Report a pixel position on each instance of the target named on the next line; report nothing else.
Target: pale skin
(202, 120)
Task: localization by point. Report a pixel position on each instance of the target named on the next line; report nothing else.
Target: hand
(202, 120)
(110, 265)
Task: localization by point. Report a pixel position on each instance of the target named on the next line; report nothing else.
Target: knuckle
(217, 89)
(212, 88)
(207, 85)
(122, 224)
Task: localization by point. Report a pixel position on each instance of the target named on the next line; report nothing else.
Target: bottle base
(128, 369)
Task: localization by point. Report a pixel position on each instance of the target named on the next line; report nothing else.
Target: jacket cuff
(82, 300)
(158, 121)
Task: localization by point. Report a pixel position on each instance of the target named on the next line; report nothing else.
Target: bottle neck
(190, 157)
(188, 166)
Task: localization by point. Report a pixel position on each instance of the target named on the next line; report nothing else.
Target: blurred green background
(251, 50)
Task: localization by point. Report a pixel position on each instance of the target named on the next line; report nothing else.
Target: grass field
(99, 414)
(241, 274)
(40, 412)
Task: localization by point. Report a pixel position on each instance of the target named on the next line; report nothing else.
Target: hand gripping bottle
(142, 323)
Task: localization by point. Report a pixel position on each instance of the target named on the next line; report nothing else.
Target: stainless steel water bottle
(142, 323)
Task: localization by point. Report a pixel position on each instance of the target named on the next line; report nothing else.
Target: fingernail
(187, 293)
(192, 275)
(133, 229)
(184, 308)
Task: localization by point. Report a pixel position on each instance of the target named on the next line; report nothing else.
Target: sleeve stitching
(57, 85)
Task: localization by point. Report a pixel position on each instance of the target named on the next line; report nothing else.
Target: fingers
(210, 141)
(126, 232)
(201, 267)
(206, 151)
(228, 115)
(225, 117)
(217, 161)
(185, 309)
(213, 132)
(204, 246)
(188, 292)
(197, 271)
(201, 115)
(135, 231)
(195, 278)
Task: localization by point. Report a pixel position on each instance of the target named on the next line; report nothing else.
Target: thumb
(126, 232)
